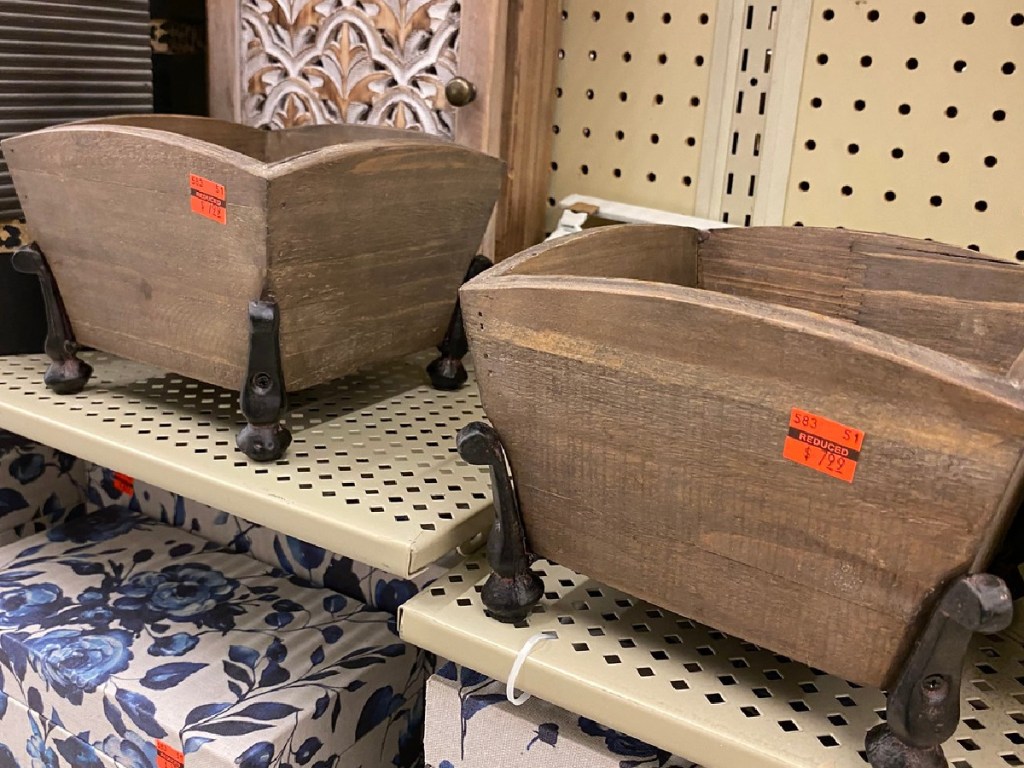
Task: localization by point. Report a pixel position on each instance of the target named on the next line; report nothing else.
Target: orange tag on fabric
(822, 444)
(168, 757)
(209, 198)
(124, 483)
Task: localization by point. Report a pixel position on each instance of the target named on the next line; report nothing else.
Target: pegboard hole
(828, 14)
(666, 18)
(590, 94)
(853, 149)
(999, 115)
(652, 176)
(695, 101)
(584, 169)
(655, 138)
(981, 206)
(699, 61)
(586, 132)
(846, 190)
(687, 181)
(959, 65)
(620, 135)
(890, 196)
(991, 161)
(873, 15)
(936, 201)
(952, 112)
(659, 99)
(596, 15)
(703, 18)
(823, 58)
(805, 186)
(630, 16)
(904, 109)
(1020, 255)
(912, 63)
(943, 157)
(623, 96)
(967, 18)
(617, 173)
(897, 153)
(810, 144)
(860, 105)
(866, 61)
(816, 102)
(919, 17)
(627, 56)
(1008, 68)
(663, 58)
(1017, 19)
(592, 55)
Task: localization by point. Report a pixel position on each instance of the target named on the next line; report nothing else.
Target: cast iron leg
(263, 399)
(923, 709)
(67, 374)
(512, 589)
(447, 371)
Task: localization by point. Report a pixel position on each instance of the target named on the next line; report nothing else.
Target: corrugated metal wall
(69, 60)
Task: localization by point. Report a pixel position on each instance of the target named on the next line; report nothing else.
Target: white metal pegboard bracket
(372, 472)
(692, 690)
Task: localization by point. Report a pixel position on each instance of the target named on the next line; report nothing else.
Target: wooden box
(159, 230)
(797, 436)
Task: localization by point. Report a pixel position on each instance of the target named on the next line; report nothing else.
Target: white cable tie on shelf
(525, 651)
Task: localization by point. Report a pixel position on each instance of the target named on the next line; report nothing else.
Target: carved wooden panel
(382, 62)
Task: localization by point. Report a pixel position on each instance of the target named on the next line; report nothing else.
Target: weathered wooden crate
(801, 437)
(159, 231)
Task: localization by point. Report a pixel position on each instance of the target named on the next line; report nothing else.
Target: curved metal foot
(266, 442)
(510, 600)
(513, 588)
(263, 399)
(447, 372)
(886, 750)
(67, 374)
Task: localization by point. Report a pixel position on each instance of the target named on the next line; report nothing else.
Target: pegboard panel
(631, 93)
(910, 119)
(372, 473)
(695, 691)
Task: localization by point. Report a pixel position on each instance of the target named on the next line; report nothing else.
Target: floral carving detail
(382, 62)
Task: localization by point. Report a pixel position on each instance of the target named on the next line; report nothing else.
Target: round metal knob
(459, 91)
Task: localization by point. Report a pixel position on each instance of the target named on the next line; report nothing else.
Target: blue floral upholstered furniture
(470, 724)
(39, 487)
(120, 636)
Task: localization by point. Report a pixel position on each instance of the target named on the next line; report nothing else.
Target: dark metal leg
(263, 399)
(67, 374)
(447, 371)
(923, 709)
(512, 589)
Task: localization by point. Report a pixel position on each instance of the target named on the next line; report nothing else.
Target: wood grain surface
(363, 240)
(645, 423)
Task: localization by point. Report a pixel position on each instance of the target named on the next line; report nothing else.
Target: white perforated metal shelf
(694, 691)
(372, 474)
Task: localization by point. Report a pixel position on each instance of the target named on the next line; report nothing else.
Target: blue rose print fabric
(117, 631)
(377, 589)
(39, 487)
(470, 724)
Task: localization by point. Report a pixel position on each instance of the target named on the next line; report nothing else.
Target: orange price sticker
(208, 198)
(168, 757)
(823, 445)
(124, 483)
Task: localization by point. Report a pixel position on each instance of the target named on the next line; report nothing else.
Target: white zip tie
(527, 649)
